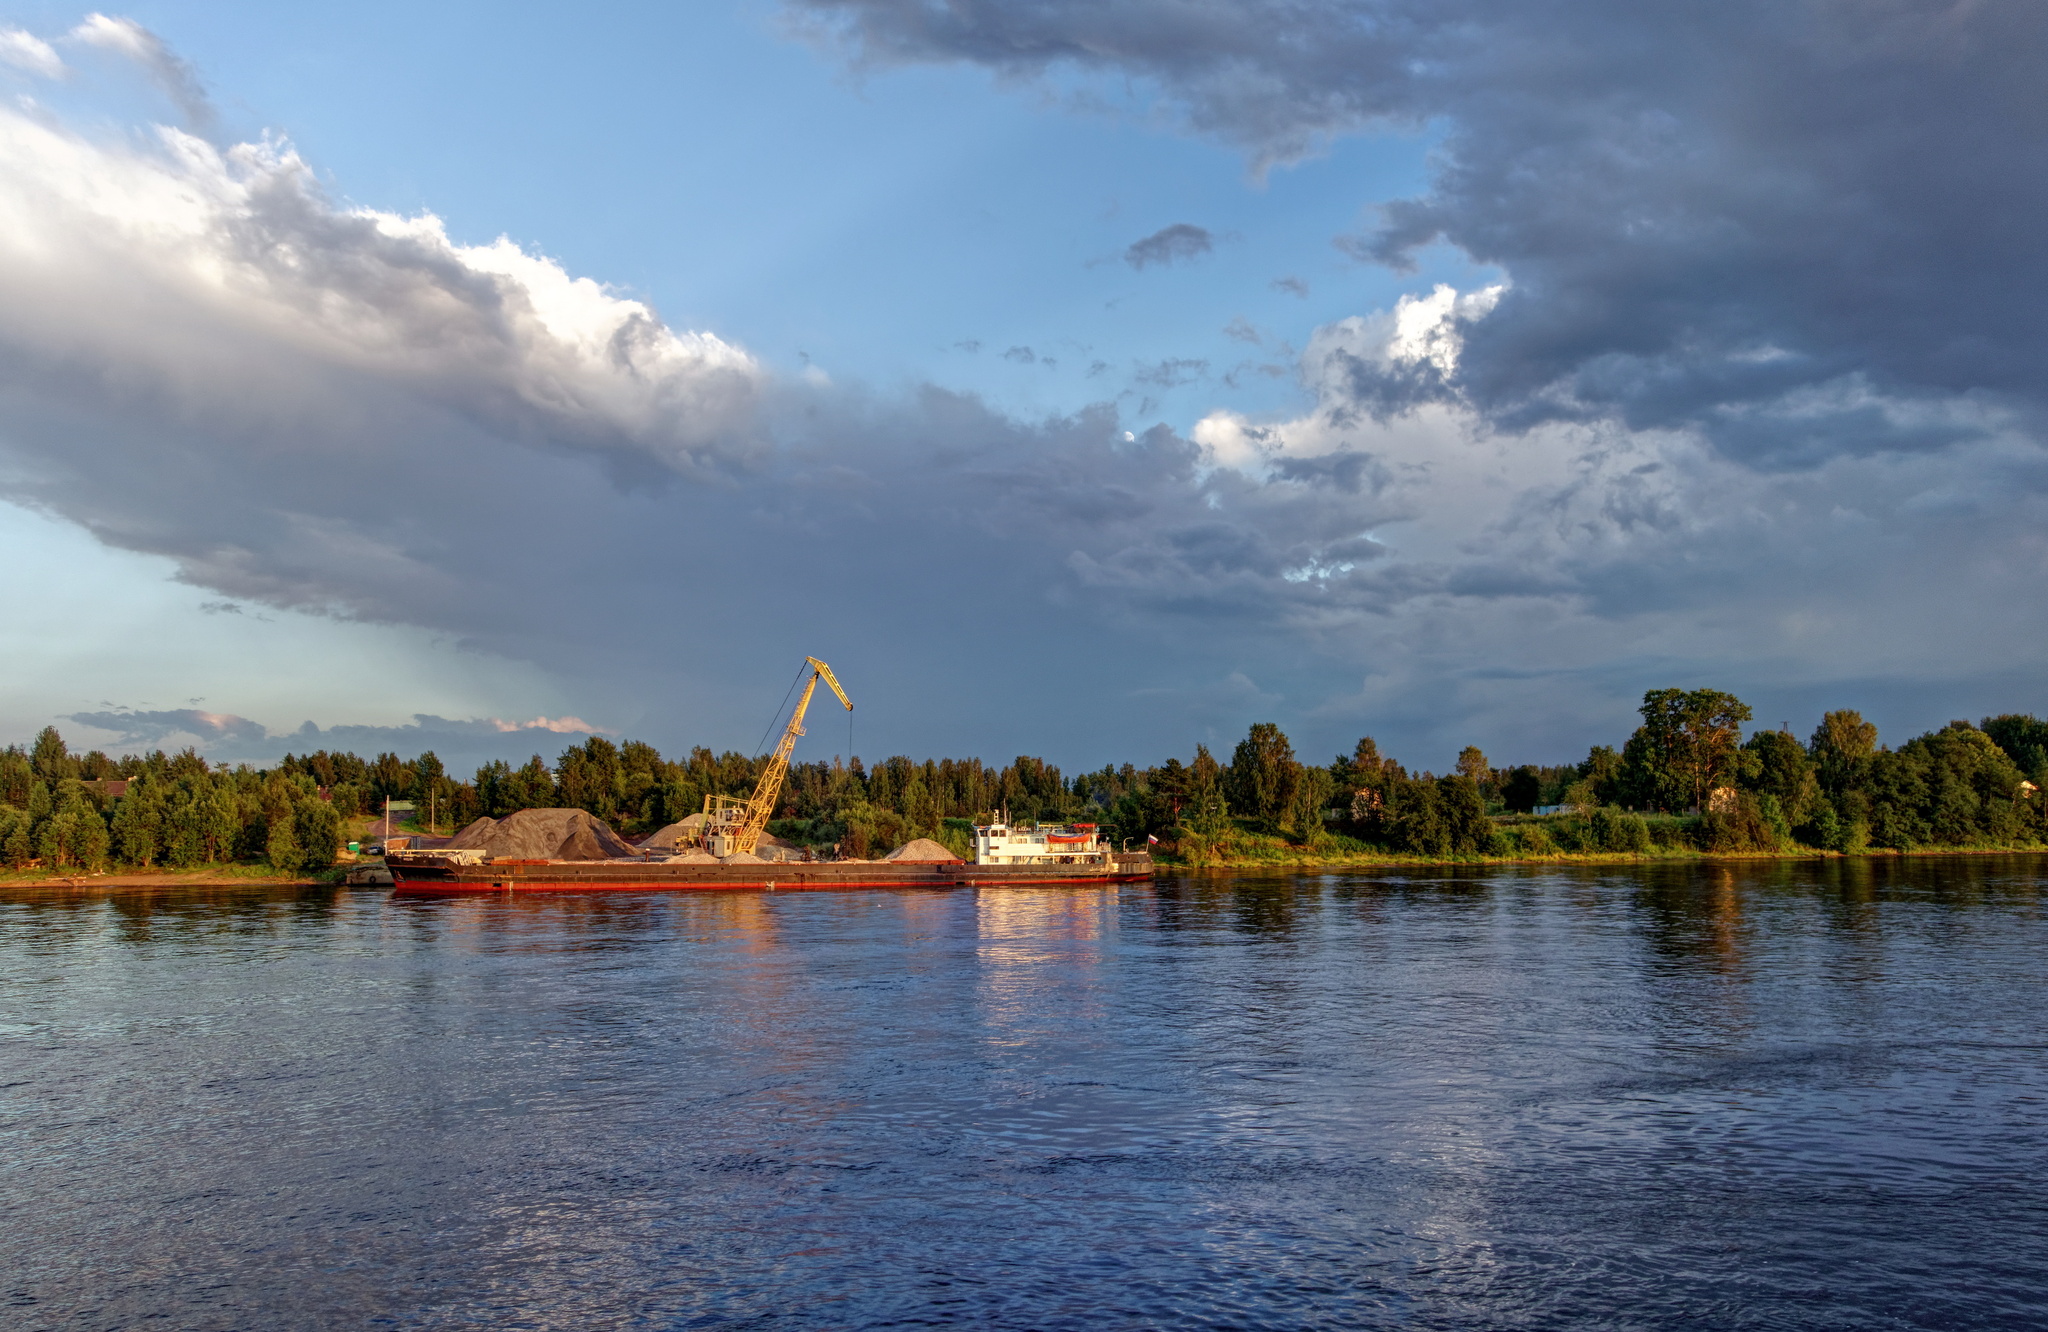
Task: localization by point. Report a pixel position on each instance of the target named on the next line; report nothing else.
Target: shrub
(1611, 829)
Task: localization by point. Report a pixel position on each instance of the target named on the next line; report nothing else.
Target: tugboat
(720, 852)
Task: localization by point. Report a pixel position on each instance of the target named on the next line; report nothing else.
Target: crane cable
(785, 703)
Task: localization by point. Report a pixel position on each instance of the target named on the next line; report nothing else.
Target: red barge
(423, 873)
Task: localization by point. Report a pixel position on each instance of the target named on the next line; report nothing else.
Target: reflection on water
(1712, 1095)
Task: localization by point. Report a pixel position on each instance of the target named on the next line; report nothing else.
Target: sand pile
(742, 858)
(683, 830)
(923, 851)
(692, 857)
(680, 830)
(545, 834)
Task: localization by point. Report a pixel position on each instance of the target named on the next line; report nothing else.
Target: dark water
(1691, 1097)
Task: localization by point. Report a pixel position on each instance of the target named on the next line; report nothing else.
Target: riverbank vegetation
(1686, 782)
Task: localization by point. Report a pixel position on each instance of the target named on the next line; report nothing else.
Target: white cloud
(25, 50)
(129, 39)
(147, 260)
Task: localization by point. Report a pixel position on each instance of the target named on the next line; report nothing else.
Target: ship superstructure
(1061, 844)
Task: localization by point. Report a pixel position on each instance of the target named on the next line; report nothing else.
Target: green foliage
(16, 776)
(1610, 829)
(49, 757)
(1842, 746)
(1314, 789)
(1961, 786)
(17, 837)
(140, 824)
(1685, 748)
(2024, 740)
(281, 843)
(1954, 787)
(1606, 775)
(1441, 816)
(1740, 826)
(316, 833)
(1260, 783)
(75, 837)
(1777, 766)
(1522, 791)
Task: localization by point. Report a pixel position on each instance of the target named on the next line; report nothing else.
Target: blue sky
(1037, 496)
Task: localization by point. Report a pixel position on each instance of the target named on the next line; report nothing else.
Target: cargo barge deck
(425, 874)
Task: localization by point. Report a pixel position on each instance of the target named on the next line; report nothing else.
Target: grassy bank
(196, 876)
(1554, 840)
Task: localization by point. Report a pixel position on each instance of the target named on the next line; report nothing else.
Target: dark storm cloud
(1170, 245)
(1702, 208)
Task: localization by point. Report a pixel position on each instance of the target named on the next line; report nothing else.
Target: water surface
(1697, 1096)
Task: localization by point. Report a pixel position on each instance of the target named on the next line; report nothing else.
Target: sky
(1088, 380)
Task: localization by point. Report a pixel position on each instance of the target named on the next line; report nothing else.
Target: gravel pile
(545, 834)
(923, 851)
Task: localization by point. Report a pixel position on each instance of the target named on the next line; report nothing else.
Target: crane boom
(733, 826)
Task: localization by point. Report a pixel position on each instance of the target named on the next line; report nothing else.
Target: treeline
(1687, 777)
(176, 811)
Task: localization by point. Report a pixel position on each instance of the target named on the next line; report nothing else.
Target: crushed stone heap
(681, 830)
(545, 834)
(923, 851)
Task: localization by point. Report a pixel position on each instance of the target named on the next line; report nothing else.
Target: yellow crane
(733, 826)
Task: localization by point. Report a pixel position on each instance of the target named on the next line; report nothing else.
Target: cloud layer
(1672, 446)
(1800, 229)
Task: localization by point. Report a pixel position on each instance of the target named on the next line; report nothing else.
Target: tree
(138, 823)
(1303, 817)
(1686, 746)
(1842, 747)
(1263, 773)
(16, 776)
(316, 833)
(50, 758)
(281, 846)
(1472, 763)
(75, 836)
(1776, 765)
(1523, 790)
(1206, 810)
(2024, 740)
(1607, 773)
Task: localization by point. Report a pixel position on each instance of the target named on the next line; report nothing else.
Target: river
(1752, 1095)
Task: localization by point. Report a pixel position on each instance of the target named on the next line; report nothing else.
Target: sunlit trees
(1841, 747)
(1685, 748)
(1261, 778)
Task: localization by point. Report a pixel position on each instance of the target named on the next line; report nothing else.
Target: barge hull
(428, 878)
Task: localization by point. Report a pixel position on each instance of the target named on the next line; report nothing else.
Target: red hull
(428, 877)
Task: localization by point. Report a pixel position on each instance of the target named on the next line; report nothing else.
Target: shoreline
(1396, 860)
(255, 877)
